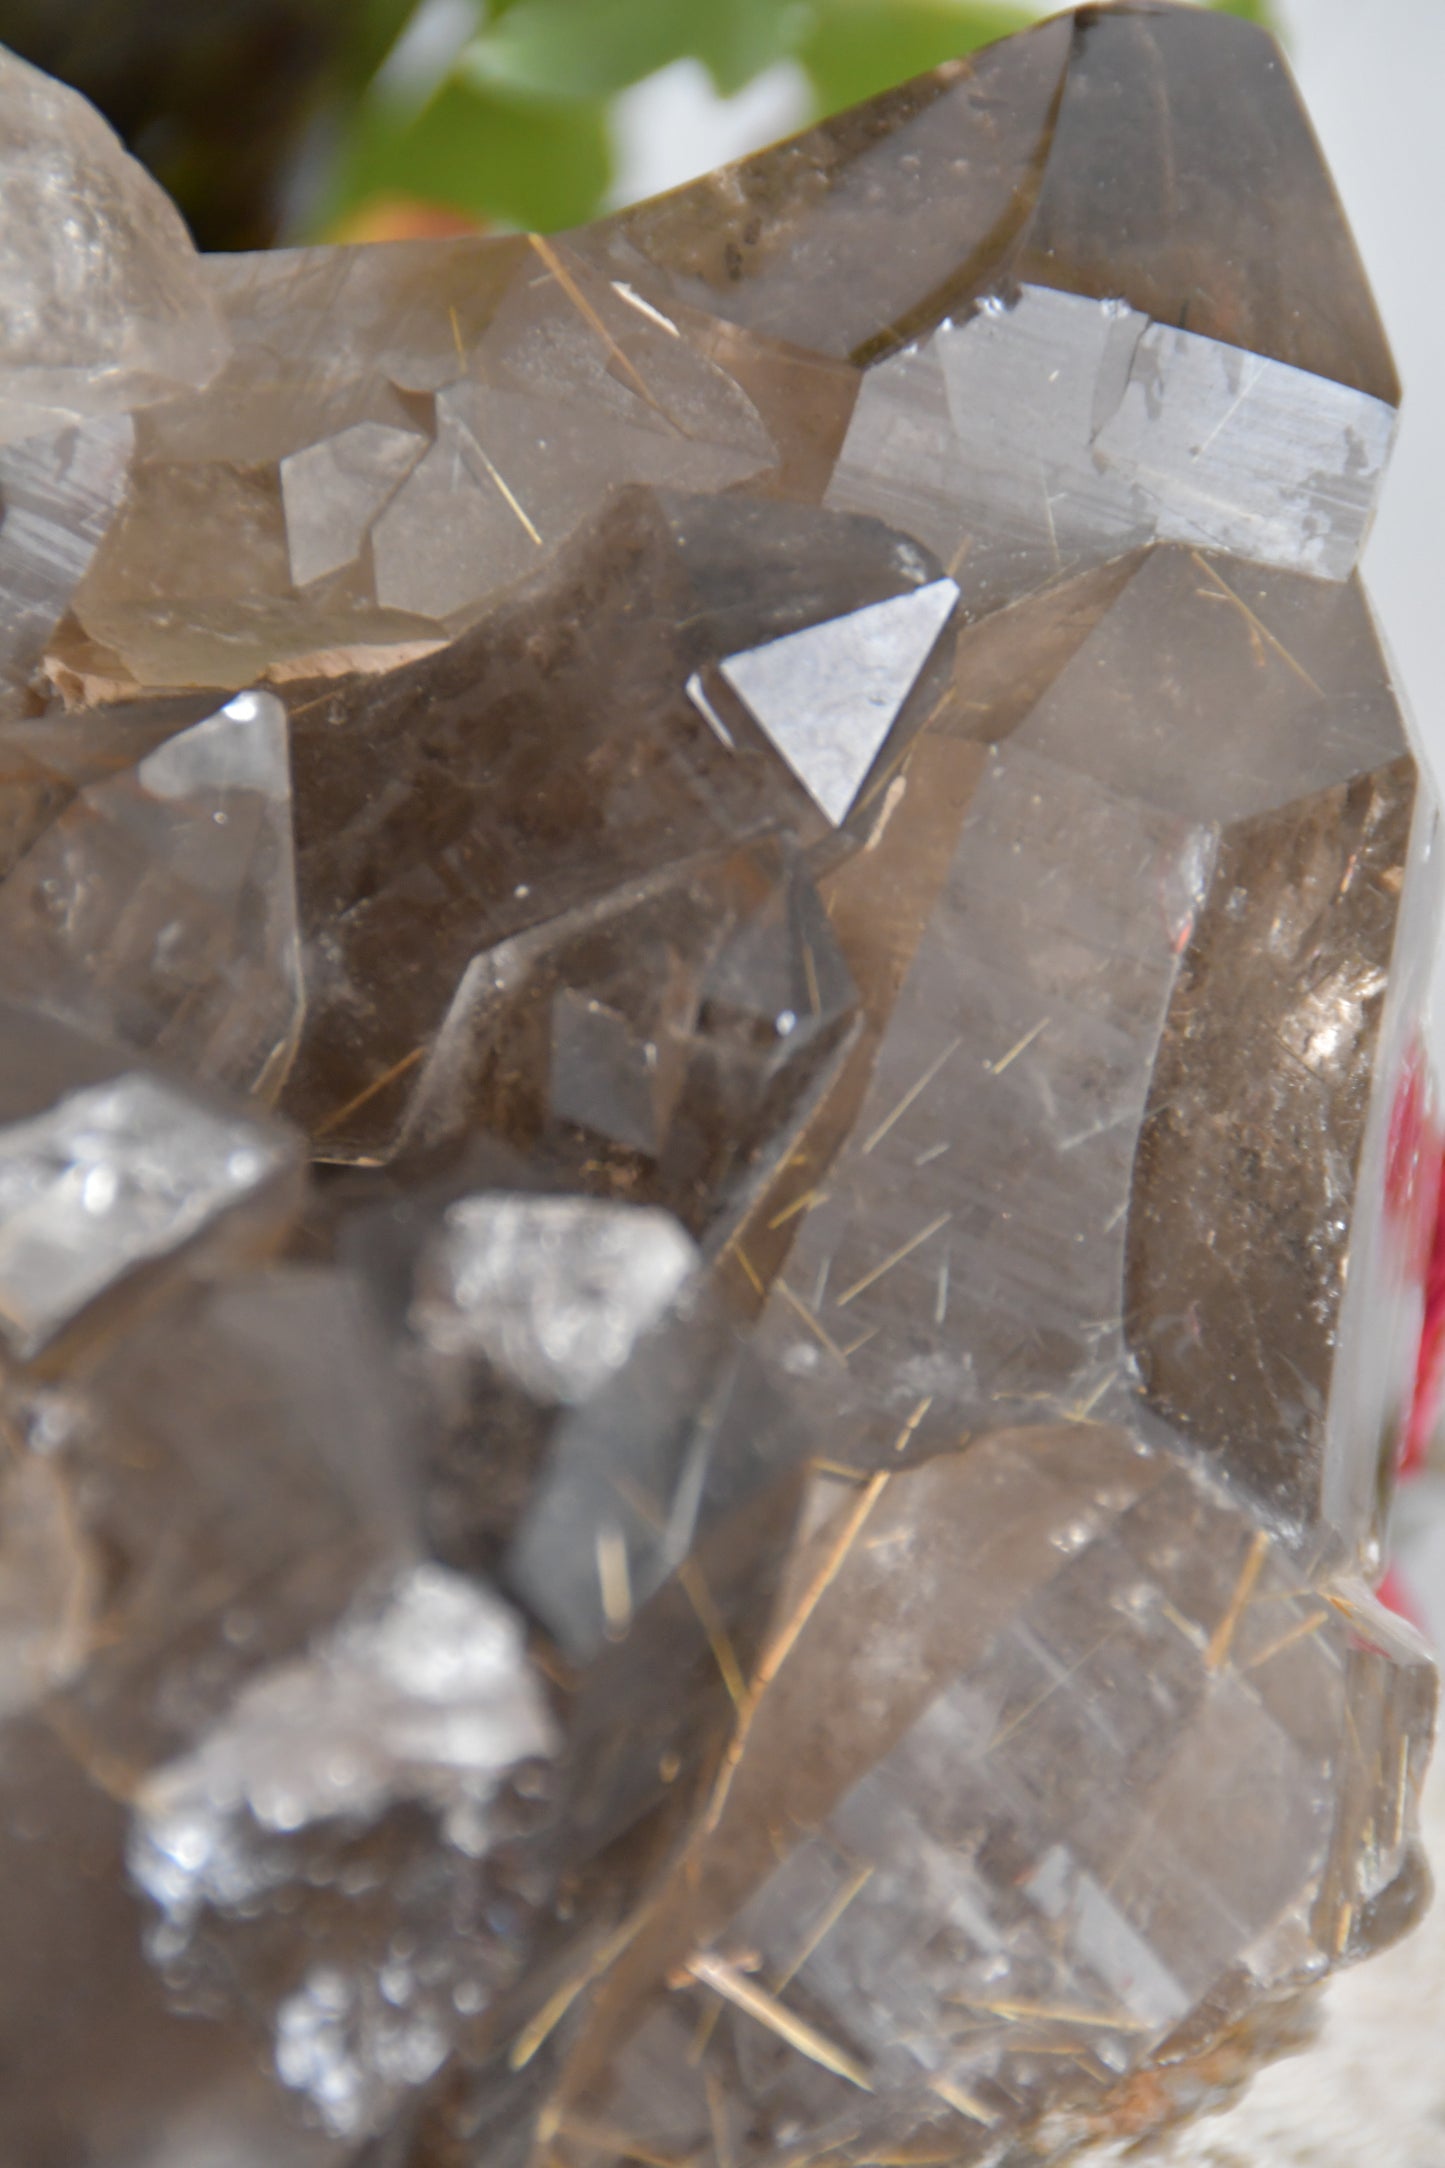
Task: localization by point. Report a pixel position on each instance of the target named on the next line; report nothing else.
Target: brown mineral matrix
(716, 1156)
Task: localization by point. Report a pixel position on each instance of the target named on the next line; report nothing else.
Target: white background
(1373, 75)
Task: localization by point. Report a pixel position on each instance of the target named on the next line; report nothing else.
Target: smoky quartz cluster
(715, 1154)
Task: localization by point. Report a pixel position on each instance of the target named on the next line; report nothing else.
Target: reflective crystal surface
(61, 492)
(113, 1175)
(1041, 437)
(104, 1181)
(794, 801)
(829, 695)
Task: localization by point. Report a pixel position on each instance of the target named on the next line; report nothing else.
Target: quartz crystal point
(1131, 153)
(566, 715)
(104, 308)
(795, 799)
(583, 1322)
(1159, 869)
(161, 905)
(104, 304)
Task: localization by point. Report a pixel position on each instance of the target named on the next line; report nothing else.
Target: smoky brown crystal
(793, 800)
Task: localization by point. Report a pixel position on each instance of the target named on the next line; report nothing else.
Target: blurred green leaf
(374, 28)
(1253, 11)
(519, 134)
(736, 43)
(563, 49)
(522, 165)
(585, 49)
(859, 47)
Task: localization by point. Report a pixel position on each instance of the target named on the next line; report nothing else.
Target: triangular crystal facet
(829, 696)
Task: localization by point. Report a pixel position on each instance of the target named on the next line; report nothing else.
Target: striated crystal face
(795, 802)
(1047, 1806)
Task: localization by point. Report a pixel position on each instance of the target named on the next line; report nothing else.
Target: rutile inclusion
(716, 1166)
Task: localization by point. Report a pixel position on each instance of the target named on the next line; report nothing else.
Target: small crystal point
(180, 932)
(333, 490)
(114, 1177)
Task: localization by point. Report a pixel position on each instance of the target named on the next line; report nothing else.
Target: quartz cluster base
(716, 1171)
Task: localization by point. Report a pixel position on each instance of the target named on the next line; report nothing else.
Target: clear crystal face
(795, 800)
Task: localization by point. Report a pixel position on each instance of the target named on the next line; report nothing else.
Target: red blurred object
(1430, 1369)
(1415, 1211)
(1396, 1597)
(1412, 1158)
